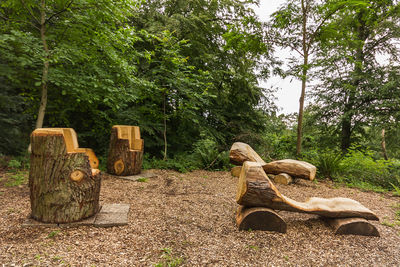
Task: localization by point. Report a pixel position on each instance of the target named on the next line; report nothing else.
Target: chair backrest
(132, 134)
(71, 142)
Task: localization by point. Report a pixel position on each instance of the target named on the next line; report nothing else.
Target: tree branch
(59, 12)
(30, 12)
(314, 33)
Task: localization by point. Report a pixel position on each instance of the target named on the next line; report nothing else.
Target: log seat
(255, 189)
(64, 179)
(125, 155)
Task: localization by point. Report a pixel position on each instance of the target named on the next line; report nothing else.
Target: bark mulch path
(188, 220)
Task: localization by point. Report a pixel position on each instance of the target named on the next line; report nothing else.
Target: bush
(359, 168)
(205, 155)
(328, 164)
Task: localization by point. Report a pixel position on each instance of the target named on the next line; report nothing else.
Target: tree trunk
(63, 186)
(125, 156)
(165, 127)
(45, 71)
(256, 190)
(303, 80)
(346, 133)
(383, 144)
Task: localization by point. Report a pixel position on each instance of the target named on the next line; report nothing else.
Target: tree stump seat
(256, 190)
(64, 180)
(125, 156)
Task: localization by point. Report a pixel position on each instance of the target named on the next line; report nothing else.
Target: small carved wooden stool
(64, 180)
(125, 156)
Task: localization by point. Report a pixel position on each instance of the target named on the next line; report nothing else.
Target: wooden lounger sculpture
(64, 180)
(259, 197)
(125, 156)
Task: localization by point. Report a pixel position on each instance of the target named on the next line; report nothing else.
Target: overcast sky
(289, 94)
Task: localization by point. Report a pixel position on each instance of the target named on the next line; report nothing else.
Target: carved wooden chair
(64, 180)
(125, 156)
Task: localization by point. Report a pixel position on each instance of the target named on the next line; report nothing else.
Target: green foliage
(142, 180)
(358, 168)
(14, 164)
(17, 179)
(328, 164)
(169, 260)
(53, 234)
(207, 155)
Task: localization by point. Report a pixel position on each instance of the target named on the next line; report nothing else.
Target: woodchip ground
(187, 219)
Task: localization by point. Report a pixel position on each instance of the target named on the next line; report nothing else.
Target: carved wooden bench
(125, 156)
(259, 198)
(64, 180)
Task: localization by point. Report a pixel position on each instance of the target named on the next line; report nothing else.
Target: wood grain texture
(352, 226)
(283, 178)
(63, 186)
(259, 218)
(256, 190)
(125, 156)
(294, 168)
(241, 152)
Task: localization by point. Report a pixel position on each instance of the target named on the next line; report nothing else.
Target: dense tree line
(188, 73)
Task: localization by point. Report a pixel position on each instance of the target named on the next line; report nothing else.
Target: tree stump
(352, 226)
(64, 186)
(259, 218)
(125, 156)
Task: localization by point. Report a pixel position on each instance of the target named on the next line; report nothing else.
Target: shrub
(328, 164)
(359, 168)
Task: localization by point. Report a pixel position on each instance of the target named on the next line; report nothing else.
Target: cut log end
(77, 176)
(119, 167)
(283, 178)
(352, 226)
(259, 218)
(235, 171)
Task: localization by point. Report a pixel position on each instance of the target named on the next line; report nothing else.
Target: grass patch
(16, 179)
(53, 234)
(142, 180)
(169, 260)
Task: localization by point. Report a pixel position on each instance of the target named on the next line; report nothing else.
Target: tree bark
(123, 158)
(256, 190)
(346, 133)
(45, 71)
(383, 144)
(303, 80)
(63, 186)
(165, 126)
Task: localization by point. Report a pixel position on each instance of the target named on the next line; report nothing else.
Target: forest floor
(188, 219)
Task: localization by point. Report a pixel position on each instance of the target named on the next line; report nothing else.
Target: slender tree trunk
(165, 126)
(303, 81)
(346, 133)
(383, 144)
(45, 72)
